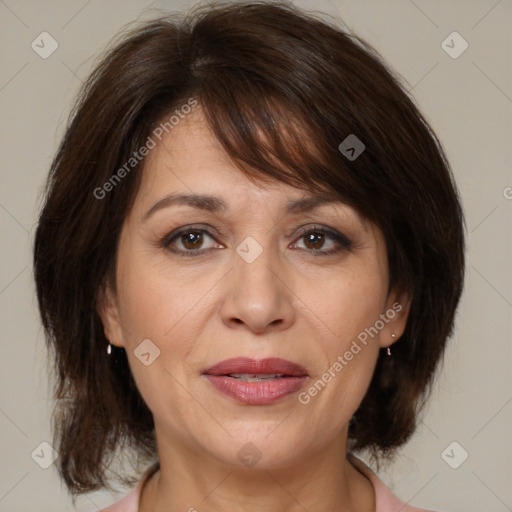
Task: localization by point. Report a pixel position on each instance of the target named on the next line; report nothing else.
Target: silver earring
(109, 349)
(393, 335)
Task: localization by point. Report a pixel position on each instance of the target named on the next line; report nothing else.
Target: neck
(324, 482)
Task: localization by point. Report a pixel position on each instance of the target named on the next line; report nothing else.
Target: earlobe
(396, 313)
(108, 312)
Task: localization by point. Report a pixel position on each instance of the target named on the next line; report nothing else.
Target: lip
(265, 366)
(257, 393)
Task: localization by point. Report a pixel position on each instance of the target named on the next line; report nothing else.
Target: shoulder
(130, 503)
(385, 500)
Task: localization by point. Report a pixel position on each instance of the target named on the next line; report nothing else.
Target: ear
(395, 315)
(108, 311)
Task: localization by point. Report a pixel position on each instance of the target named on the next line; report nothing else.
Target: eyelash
(342, 240)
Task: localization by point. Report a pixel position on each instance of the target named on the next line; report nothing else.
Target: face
(246, 276)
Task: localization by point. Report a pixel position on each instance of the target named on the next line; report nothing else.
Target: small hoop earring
(109, 349)
(389, 351)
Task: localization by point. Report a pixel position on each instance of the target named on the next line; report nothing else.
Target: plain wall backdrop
(466, 96)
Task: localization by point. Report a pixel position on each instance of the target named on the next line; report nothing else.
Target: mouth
(246, 368)
(256, 382)
(253, 377)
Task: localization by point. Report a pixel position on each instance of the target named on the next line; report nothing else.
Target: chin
(264, 448)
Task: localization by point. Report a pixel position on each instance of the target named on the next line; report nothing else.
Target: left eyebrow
(307, 204)
(216, 204)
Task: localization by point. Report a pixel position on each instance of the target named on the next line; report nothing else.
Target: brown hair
(280, 89)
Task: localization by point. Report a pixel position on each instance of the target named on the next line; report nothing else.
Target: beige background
(469, 103)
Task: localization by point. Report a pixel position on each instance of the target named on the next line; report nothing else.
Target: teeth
(251, 377)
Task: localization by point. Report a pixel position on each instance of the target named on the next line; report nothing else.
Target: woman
(248, 265)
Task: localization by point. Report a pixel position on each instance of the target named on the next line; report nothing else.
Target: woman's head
(251, 103)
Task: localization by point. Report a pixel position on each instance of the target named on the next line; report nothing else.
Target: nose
(259, 294)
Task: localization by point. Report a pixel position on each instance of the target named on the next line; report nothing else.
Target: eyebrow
(216, 204)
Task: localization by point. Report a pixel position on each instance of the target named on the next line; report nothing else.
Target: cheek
(155, 308)
(349, 303)
(350, 306)
(168, 308)
(335, 393)
(155, 301)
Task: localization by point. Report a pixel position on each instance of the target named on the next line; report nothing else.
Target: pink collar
(385, 500)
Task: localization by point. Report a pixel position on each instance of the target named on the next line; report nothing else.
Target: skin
(291, 302)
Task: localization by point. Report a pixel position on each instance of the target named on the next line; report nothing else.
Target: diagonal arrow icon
(44, 455)
(351, 147)
(44, 45)
(147, 352)
(454, 45)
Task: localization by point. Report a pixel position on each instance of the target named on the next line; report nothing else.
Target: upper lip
(267, 366)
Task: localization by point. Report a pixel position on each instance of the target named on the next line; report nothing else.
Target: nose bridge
(256, 262)
(256, 266)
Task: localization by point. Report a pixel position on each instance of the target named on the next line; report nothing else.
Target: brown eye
(188, 242)
(316, 239)
(192, 240)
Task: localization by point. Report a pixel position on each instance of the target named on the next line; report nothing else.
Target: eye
(190, 242)
(315, 239)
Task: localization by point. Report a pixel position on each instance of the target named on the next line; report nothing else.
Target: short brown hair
(280, 89)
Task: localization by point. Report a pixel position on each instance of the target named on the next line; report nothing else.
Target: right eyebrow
(201, 201)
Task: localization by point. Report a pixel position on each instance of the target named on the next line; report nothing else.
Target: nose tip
(273, 323)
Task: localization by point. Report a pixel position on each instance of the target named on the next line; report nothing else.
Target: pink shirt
(386, 501)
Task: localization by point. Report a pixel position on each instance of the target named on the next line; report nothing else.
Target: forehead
(192, 158)
(190, 167)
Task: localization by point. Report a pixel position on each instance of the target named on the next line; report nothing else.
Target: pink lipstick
(257, 382)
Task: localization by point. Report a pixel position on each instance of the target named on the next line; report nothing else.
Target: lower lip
(256, 393)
